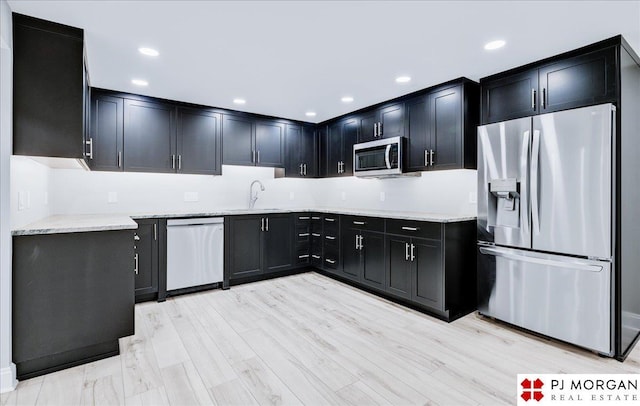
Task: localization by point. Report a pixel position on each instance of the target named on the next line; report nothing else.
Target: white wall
(30, 184)
(7, 369)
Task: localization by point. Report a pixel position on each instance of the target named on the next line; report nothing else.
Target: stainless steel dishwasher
(195, 252)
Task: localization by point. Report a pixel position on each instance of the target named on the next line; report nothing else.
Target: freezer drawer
(561, 297)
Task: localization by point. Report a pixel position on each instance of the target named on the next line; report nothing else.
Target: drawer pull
(360, 223)
(315, 256)
(330, 219)
(315, 218)
(303, 235)
(303, 256)
(329, 237)
(410, 228)
(303, 218)
(315, 234)
(331, 261)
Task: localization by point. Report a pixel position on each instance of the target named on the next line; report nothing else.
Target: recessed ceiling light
(490, 46)
(148, 51)
(347, 99)
(310, 114)
(403, 79)
(139, 82)
(239, 101)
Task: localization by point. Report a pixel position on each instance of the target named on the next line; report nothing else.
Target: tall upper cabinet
(50, 89)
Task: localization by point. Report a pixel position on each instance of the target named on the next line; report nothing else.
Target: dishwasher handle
(195, 221)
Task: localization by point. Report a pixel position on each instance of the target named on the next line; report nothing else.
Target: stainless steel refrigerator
(546, 224)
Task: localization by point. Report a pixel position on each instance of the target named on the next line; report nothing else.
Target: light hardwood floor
(307, 339)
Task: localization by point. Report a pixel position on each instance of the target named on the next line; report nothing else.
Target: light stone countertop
(103, 222)
(59, 224)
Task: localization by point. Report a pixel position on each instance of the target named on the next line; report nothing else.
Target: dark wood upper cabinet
(149, 136)
(246, 141)
(579, 81)
(198, 142)
(300, 152)
(50, 91)
(349, 138)
(107, 115)
(333, 149)
(579, 78)
(418, 135)
(446, 130)
(510, 97)
(384, 122)
(238, 143)
(441, 128)
(269, 143)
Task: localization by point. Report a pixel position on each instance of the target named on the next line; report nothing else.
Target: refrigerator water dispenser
(504, 203)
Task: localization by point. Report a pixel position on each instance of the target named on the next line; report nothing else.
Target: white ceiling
(289, 57)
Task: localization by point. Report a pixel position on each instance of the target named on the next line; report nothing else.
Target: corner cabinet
(252, 142)
(441, 128)
(258, 245)
(50, 89)
(337, 151)
(576, 79)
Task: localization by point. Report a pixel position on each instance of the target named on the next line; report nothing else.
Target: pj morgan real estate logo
(578, 389)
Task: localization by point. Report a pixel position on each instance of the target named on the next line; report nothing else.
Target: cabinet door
(270, 144)
(417, 131)
(334, 148)
(445, 124)
(510, 97)
(244, 246)
(350, 253)
(293, 162)
(392, 121)
(149, 136)
(238, 146)
(349, 137)
(323, 145)
(367, 124)
(581, 81)
(373, 267)
(48, 100)
(146, 279)
(428, 283)
(198, 142)
(279, 243)
(309, 151)
(107, 114)
(398, 266)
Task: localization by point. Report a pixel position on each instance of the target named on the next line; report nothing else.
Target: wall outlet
(383, 196)
(473, 198)
(22, 197)
(292, 196)
(191, 196)
(112, 197)
(343, 196)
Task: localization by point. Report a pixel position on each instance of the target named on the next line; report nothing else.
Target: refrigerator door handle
(532, 258)
(535, 160)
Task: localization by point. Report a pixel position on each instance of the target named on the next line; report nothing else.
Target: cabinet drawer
(331, 259)
(303, 255)
(303, 219)
(422, 229)
(303, 234)
(363, 223)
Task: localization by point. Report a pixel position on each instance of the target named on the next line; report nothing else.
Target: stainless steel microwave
(379, 158)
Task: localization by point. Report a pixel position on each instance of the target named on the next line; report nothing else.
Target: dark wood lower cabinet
(146, 259)
(372, 259)
(73, 298)
(258, 245)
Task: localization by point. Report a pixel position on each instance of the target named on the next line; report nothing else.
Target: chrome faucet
(254, 197)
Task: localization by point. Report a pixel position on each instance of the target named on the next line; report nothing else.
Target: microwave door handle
(387, 156)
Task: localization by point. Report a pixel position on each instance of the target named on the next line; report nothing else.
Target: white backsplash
(72, 191)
